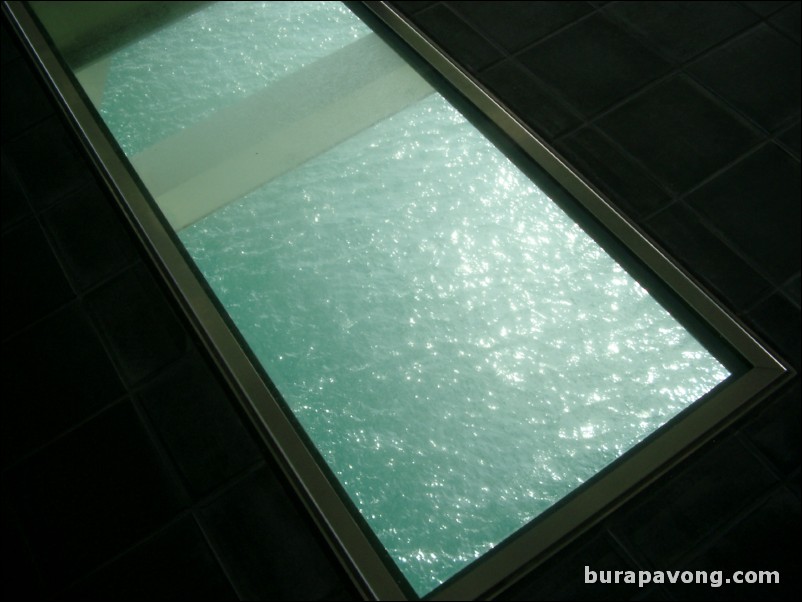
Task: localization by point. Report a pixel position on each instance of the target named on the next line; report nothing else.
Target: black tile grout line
(632, 556)
(747, 421)
(164, 450)
(679, 197)
(675, 66)
(750, 9)
(505, 54)
(792, 477)
(66, 432)
(215, 554)
(786, 35)
(711, 227)
(187, 510)
(678, 68)
(708, 537)
(783, 290)
(712, 536)
(619, 546)
(11, 507)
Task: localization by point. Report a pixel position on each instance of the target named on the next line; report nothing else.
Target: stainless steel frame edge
(321, 498)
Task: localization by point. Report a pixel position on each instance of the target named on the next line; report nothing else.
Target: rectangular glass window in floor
(459, 343)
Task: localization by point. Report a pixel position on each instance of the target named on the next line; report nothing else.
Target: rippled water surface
(462, 354)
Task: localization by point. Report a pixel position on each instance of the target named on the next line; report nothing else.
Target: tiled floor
(127, 468)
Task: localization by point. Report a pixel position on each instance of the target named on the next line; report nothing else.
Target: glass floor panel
(459, 351)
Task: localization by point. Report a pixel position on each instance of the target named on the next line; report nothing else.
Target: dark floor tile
(33, 283)
(9, 45)
(514, 25)
(177, 564)
(776, 430)
(792, 290)
(758, 74)
(48, 163)
(764, 7)
(790, 139)
(670, 518)
(765, 540)
(681, 30)
(265, 545)
(777, 319)
(14, 205)
(462, 42)
(563, 576)
(23, 102)
(195, 417)
(681, 232)
(788, 21)
(55, 375)
(140, 326)
(20, 576)
(89, 236)
(755, 205)
(410, 7)
(593, 64)
(92, 494)
(794, 485)
(679, 133)
(613, 172)
(516, 88)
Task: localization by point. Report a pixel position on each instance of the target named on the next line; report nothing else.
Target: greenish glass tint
(462, 354)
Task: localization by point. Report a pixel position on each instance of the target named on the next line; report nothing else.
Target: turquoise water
(237, 48)
(462, 354)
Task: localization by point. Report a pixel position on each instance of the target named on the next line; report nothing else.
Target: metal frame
(368, 565)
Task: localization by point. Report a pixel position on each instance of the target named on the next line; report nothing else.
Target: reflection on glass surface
(461, 353)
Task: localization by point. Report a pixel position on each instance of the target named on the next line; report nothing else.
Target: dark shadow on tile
(776, 430)
(593, 64)
(788, 21)
(24, 104)
(55, 375)
(790, 139)
(14, 205)
(140, 326)
(514, 25)
(458, 38)
(682, 233)
(766, 540)
(91, 494)
(266, 547)
(679, 133)
(33, 283)
(48, 163)
(89, 237)
(757, 74)
(681, 30)
(196, 419)
(563, 577)
(516, 88)
(614, 173)
(755, 205)
(177, 564)
(673, 516)
(777, 319)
